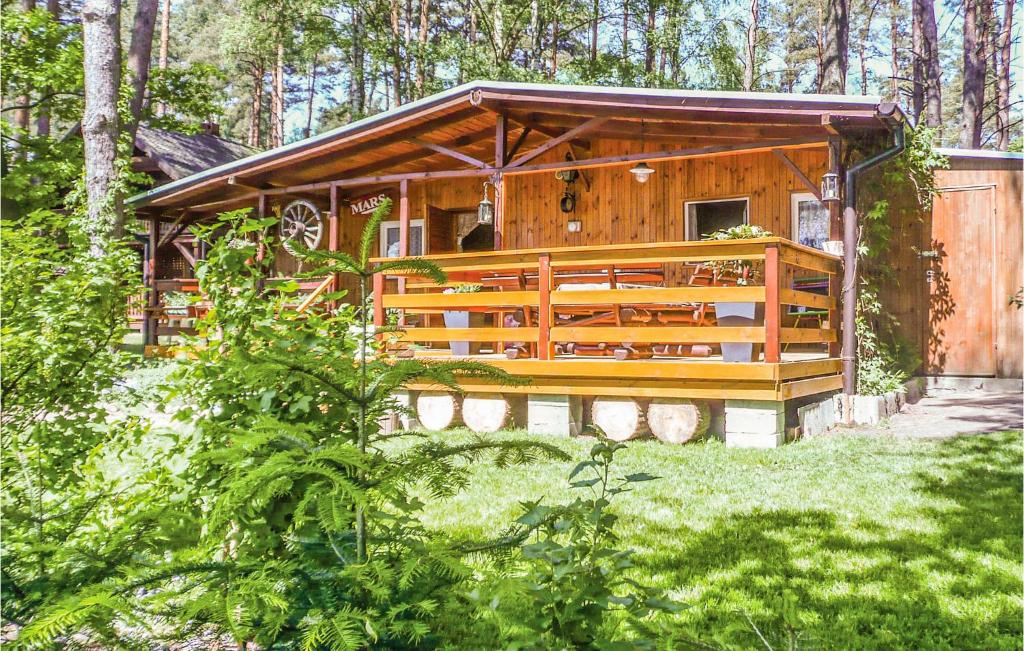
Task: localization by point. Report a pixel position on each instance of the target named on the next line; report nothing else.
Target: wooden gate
(960, 261)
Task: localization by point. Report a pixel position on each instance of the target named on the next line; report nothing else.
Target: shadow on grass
(943, 572)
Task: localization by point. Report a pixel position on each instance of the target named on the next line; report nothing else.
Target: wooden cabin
(578, 215)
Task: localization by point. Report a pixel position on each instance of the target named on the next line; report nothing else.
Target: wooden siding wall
(907, 295)
(618, 210)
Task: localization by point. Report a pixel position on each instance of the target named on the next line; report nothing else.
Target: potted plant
(739, 314)
(178, 304)
(459, 318)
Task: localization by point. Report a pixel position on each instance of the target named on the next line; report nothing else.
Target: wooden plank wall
(617, 209)
(906, 295)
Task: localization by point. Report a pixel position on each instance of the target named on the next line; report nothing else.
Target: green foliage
(312, 531)
(906, 184)
(78, 502)
(193, 93)
(743, 270)
(575, 581)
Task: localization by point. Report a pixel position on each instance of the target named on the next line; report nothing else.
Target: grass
(847, 542)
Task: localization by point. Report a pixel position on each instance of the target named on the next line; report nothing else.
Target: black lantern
(485, 211)
(830, 186)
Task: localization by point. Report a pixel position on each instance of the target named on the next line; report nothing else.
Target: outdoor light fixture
(575, 225)
(485, 211)
(830, 186)
(641, 172)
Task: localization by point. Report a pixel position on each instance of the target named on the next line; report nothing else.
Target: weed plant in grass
(842, 542)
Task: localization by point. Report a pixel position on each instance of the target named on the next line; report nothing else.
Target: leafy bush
(311, 530)
(575, 583)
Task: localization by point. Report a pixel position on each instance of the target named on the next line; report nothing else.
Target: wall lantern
(485, 211)
(830, 186)
(641, 172)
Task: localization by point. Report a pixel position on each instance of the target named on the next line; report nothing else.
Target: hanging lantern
(485, 211)
(641, 172)
(830, 186)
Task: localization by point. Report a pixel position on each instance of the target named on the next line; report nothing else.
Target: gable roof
(400, 140)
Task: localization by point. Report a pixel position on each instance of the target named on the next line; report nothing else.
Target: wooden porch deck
(649, 329)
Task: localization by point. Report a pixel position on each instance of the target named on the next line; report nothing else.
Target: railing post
(772, 308)
(544, 348)
(378, 300)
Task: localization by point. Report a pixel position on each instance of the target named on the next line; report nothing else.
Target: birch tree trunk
(536, 58)
(836, 55)
(748, 70)
(100, 128)
(165, 39)
(1003, 78)
(140, 52)
(973, 98)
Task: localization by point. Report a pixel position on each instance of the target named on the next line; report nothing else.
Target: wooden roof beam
(451, 153)
(811, 187)
(568, 136)
(408, 157)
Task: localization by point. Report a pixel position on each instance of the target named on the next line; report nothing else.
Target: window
(389, 232)
(810, 220)
(706, 217)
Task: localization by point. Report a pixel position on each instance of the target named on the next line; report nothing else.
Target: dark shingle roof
(180, 155)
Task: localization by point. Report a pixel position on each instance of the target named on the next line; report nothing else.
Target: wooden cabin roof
(422, 136)
(178, 155)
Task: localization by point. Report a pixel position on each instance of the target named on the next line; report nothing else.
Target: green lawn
(873, 543)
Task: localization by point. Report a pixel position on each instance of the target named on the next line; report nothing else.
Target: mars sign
(365, 205)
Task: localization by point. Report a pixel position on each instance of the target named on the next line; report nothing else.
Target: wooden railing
(639, 296)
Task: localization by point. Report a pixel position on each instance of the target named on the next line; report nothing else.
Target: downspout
(850, 237)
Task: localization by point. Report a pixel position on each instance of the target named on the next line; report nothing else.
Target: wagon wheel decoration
(301, 222)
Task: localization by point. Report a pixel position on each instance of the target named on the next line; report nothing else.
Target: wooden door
(961, 262)
(441, 229)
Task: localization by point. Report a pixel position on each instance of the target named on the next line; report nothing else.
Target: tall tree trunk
(554, 47)
(277, 97)
(973, 99)
(312, 95)
(256, 107)
(836, 59)
(1003, 78)
(357, 93)
(625, 40)
(43, 117)
(396, 52)
(535, 60)
(932, 65)
(894, 49)
(421, 53)
(165, 41)
(595, 20)
(100, 127)
(862, 46)
(140, 52)
(749, 69)
(649, 36)
(917, 62)
(22, 114)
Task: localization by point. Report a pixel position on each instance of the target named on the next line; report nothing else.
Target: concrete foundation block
(755, 423)
(913, 390)
(1002, 385)
(817, 418)
(555, 415)
(406, 416)
(891, 408)
(749, 440)
(868, 410)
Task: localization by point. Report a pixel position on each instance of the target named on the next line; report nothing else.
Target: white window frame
(395, 223)
(689, 219)
(794, 209)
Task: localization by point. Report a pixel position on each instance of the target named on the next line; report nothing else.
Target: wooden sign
(365, 205)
